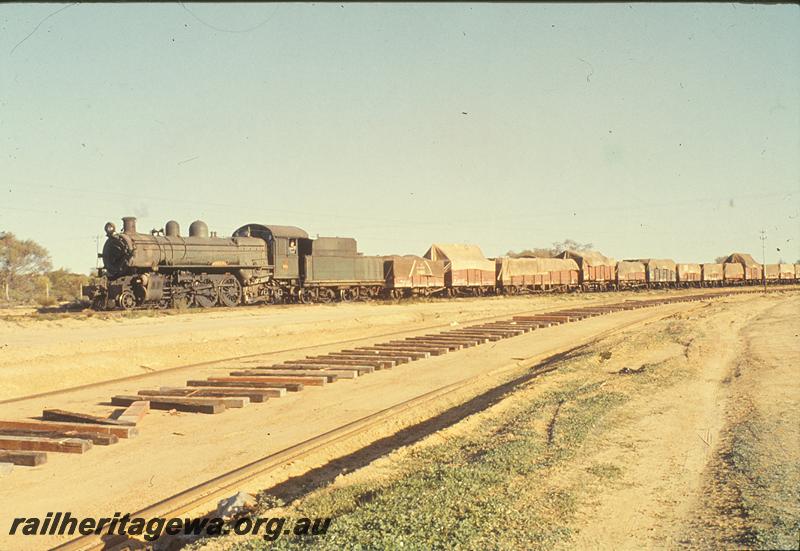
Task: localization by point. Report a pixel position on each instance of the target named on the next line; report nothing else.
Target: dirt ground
(680, 446)
(684, 433)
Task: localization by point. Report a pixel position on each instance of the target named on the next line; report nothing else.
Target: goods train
(279, 264)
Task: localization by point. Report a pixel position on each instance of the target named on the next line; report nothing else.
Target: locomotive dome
(198, 228)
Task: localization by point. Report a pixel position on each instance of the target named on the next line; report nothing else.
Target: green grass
(488, 490)
(766, 483)
(605, 471)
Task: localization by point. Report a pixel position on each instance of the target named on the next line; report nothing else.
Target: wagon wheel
(306, 296)
(230, 291)
(326, 295)
(348, 295)
(126, 300)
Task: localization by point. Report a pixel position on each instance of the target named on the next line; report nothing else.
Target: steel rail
(140, 376)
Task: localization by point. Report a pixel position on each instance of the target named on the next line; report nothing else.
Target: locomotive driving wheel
(205, 294)
(230, 291)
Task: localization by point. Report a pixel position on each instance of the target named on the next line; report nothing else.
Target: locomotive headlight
(110, 228)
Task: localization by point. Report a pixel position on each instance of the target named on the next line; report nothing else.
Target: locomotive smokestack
(172, 229)
(128, 224)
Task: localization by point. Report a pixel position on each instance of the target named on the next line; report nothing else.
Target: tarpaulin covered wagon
(713, 274)
(733, 273)
(631, 273)
(772, 272)
(659, 271)
(595, 271)
(516, 275)
(466, 270)
(779, 273)
(689, 274)
(752, 270)
(786, 272)
(410, 274)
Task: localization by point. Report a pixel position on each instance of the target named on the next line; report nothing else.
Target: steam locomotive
(278, 264)
(258, 263)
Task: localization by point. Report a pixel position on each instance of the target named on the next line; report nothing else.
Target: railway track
(443, 342)
(26, 442)
(197, 365)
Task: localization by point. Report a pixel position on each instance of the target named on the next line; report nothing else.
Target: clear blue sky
(648, 130)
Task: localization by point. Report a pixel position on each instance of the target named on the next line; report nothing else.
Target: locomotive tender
(278, 264)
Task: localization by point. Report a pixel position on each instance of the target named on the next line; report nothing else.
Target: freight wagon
(713, 274)
(659, 272)
(689, 275)
(466, 270)
(631, 274)
(733, 273)
(752, 271)
(786, 273)
(595, 271)
(413, 275)
(523, 275)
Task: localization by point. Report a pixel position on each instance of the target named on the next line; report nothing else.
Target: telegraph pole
(763, 238)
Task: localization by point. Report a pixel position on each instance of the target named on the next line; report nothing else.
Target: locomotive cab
(285, 246)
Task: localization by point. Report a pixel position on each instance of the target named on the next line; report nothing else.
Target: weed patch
(489, 490)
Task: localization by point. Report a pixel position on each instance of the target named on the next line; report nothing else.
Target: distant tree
(64, 285)
(531, 253)
(720, 259)
(570, 245)
(557, 248)
(20, 262)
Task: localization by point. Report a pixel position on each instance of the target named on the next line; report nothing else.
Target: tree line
(551, 252)
(27, 275)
